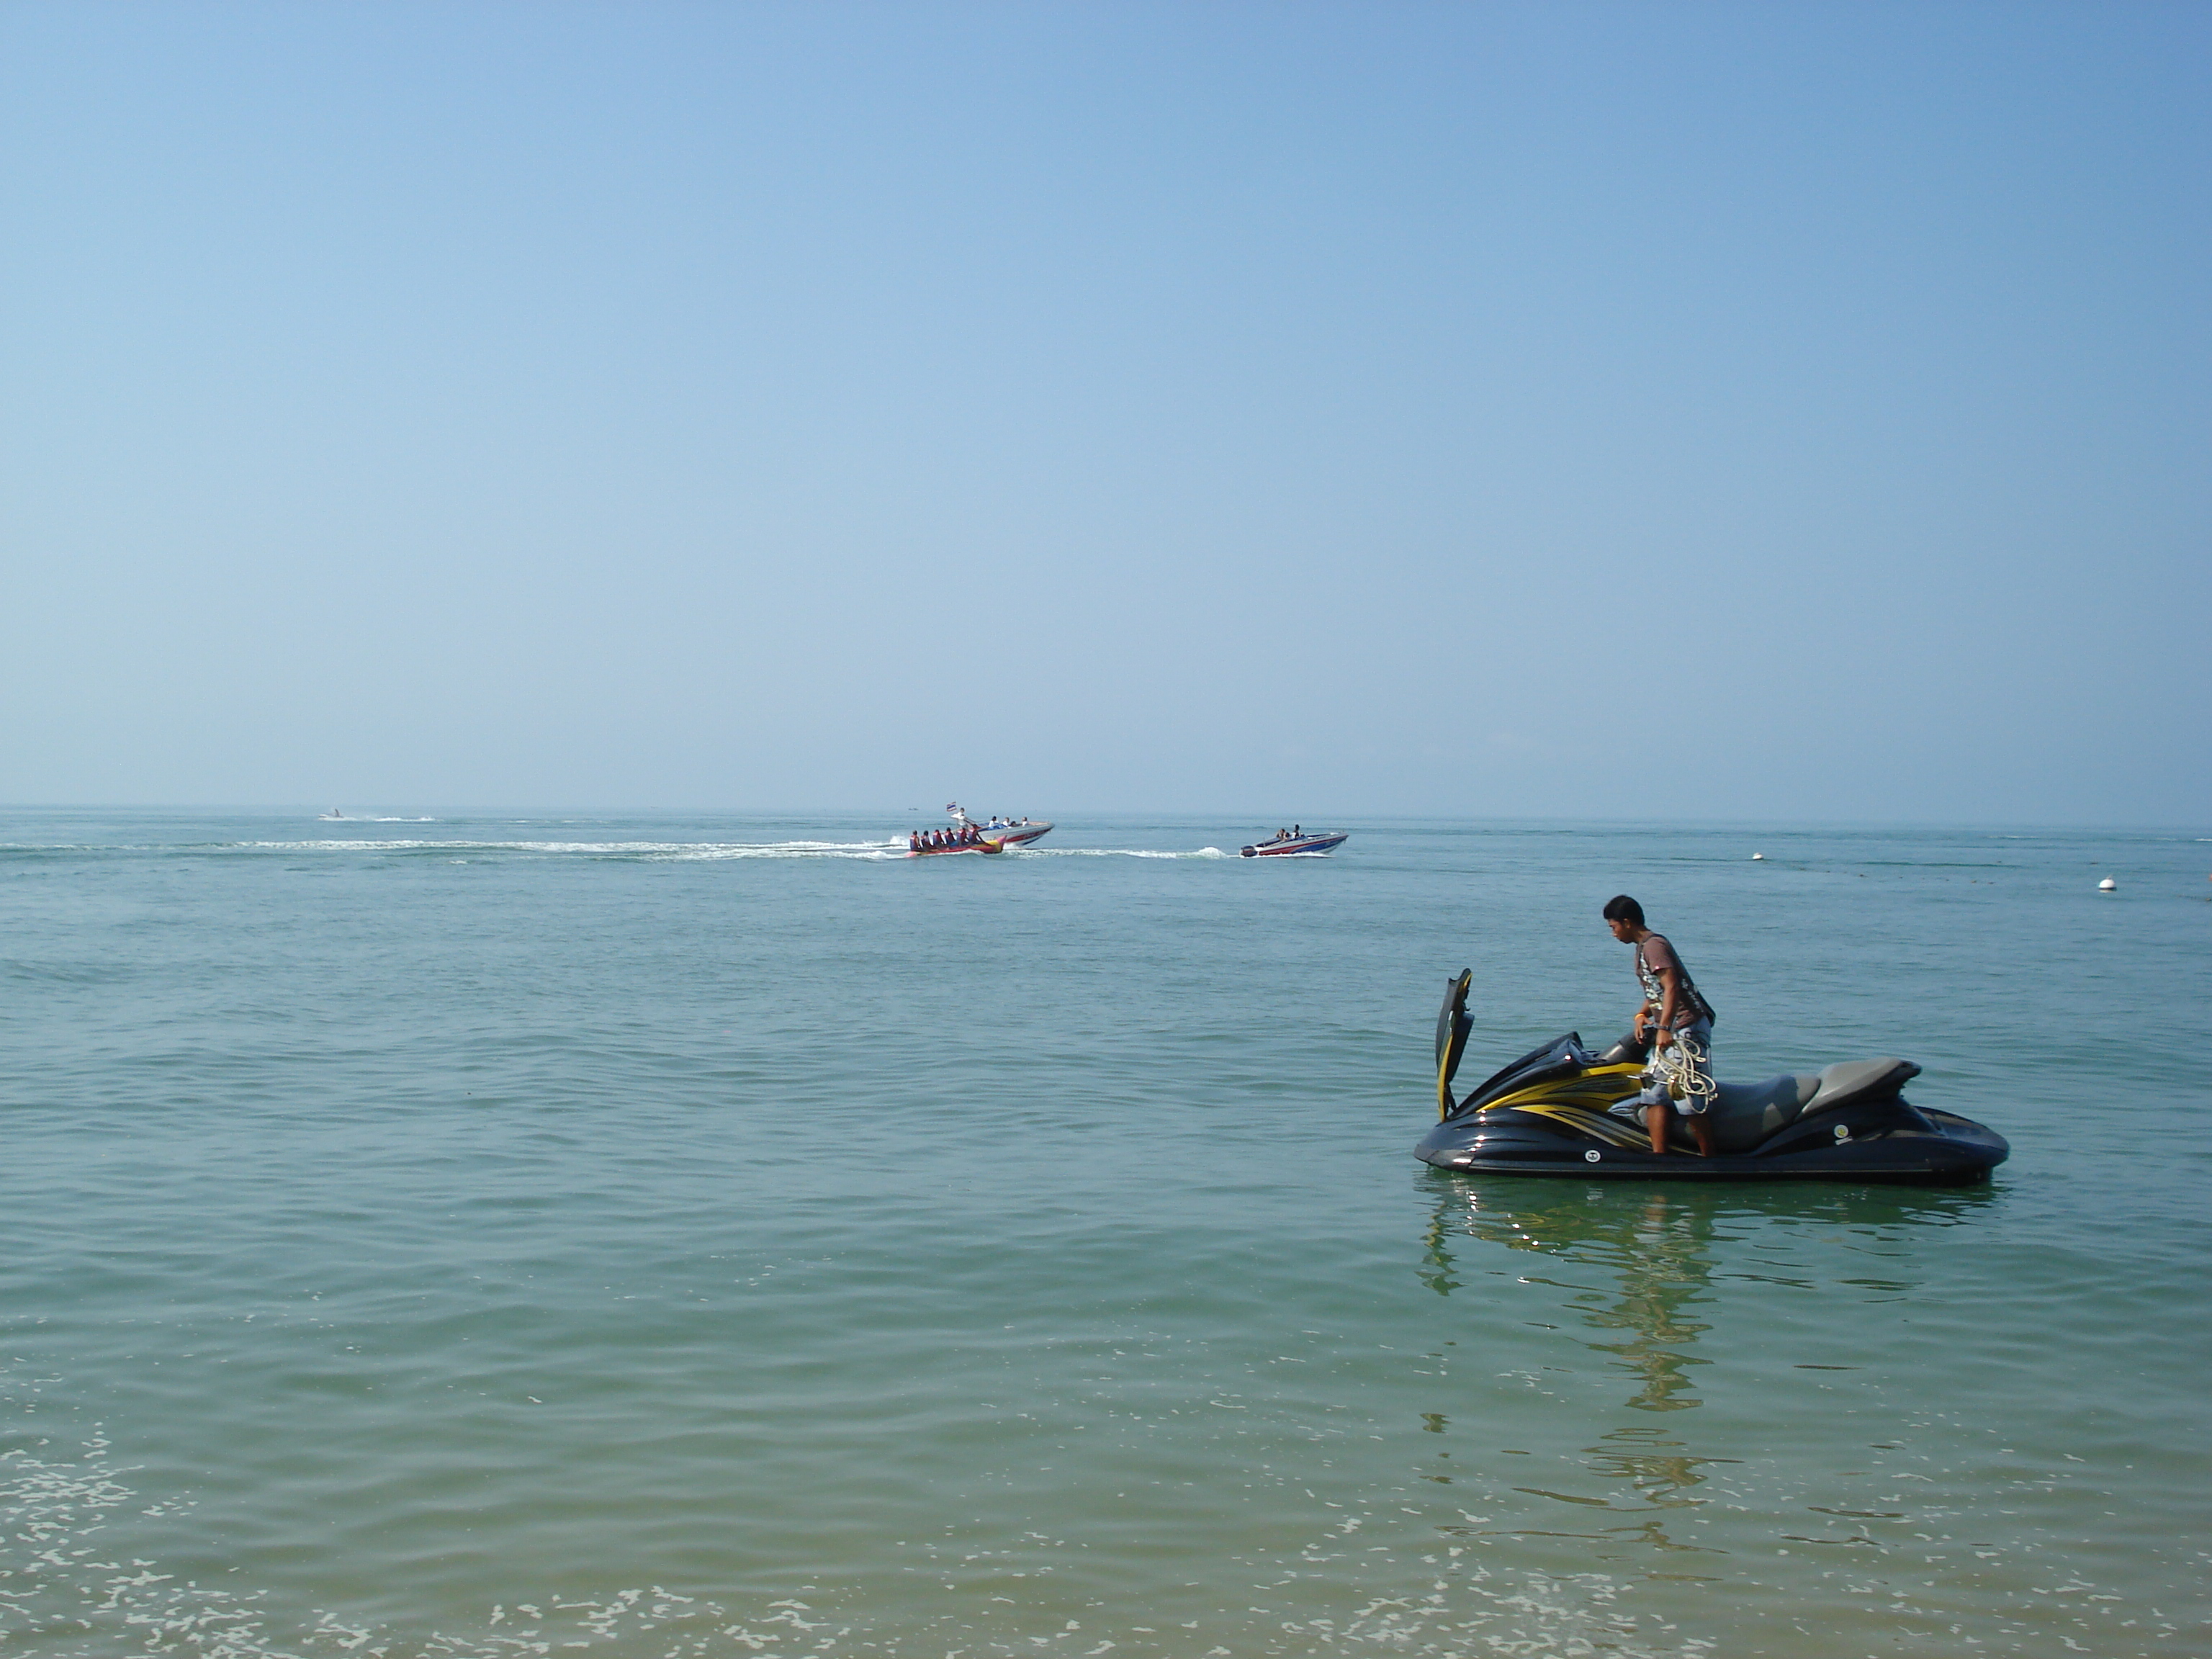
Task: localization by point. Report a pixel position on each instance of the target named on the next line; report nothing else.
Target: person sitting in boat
(913, 841)
(1679, 1021)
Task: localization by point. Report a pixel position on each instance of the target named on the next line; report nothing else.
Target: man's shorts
(1690, 1051)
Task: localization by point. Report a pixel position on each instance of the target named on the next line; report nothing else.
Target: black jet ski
(1553, 1111)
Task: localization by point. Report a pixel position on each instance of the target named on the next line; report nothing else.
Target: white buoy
(2107, 885)
(1755, 857)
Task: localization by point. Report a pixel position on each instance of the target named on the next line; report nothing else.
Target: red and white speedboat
(1007, 832)
(967, 835)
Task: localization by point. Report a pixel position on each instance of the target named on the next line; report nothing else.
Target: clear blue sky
(1763, 410)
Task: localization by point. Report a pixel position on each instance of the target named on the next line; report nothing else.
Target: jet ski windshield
(1563, 1056)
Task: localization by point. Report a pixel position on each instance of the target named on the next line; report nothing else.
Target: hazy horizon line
(1223, 814)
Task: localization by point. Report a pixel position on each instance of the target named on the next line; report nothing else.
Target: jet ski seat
(1743, 1115)
(1850, 1080)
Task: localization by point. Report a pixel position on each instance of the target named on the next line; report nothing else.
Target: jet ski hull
(1892, 1142)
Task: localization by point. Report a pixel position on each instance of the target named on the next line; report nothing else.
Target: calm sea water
(653, 1236)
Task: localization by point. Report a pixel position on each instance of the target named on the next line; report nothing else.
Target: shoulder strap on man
(1697, 997)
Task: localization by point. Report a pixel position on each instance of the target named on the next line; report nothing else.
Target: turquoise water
(665, 1237)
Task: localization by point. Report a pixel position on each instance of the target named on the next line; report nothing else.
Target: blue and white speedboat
(1284, 843)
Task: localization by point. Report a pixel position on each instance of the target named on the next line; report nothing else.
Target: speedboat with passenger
(1285, 843)
(1560, 1110)
(1007, 832)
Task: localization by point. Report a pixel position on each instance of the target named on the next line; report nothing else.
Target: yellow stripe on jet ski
(1590, 1087)
(1611, 1130)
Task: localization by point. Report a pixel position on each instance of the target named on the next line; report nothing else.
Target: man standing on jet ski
(1677, 1017)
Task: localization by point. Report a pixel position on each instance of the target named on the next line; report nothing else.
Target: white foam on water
(643, 850)
(71, 1588)
(789, 849)
(65, 1595)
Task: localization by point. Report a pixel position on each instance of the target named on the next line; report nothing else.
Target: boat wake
(1108, 852)
(679, 851)
(651, 851)
(643, 852)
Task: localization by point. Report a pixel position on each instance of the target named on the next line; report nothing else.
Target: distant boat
(1285, 842)
(332, 815)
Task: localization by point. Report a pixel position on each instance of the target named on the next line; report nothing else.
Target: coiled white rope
(1685, 1068)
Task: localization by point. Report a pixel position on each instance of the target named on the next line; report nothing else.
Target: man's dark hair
(1621, 908)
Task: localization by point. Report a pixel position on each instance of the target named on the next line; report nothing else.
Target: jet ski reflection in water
(1655, 1246)
(1561, 1109)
